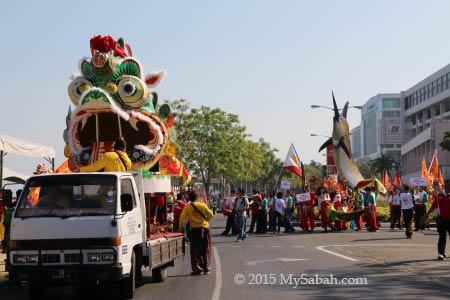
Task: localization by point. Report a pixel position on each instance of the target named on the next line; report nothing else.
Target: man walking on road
(241, 206)
(442, 204)
(420, 209)
(408, 210)
(230, 213)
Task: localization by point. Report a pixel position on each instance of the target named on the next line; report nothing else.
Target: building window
(439, 85)
(395, 128)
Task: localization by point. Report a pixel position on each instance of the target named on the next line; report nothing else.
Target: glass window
(426, 92)
(439, 85)
(126, 187)
(391, 103)
(66, 196)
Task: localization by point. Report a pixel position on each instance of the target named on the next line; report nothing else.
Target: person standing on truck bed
(198, 214)
(114, 161)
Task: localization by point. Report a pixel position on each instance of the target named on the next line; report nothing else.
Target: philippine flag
(292, 162)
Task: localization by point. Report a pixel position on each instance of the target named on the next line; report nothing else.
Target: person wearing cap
(442, 204)
(407, 203)
(395, 209)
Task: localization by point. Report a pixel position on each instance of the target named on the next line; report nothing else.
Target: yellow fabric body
(195, 219)
(109, 162)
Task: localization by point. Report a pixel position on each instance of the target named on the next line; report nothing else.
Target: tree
(213, 144)
(445, 144)
(271, 166)
(365, 166)
(382, 163)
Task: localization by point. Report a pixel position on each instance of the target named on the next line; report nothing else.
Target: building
(355, 142)
(425, 115)
(379, 132)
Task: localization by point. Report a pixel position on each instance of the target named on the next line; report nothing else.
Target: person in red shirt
(442, 204)
(308, 221)
(177, 209)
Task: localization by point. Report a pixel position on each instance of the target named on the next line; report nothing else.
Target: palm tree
(383, 163)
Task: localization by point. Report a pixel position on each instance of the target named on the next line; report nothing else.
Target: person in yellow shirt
(116, 161)
(198, 214)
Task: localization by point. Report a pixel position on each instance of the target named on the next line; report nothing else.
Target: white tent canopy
(21, 147)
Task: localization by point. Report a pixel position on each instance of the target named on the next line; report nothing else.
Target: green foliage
(445, 144)
(382, 163)
(365, 166)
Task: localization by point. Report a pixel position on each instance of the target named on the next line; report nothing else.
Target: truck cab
(84, 227)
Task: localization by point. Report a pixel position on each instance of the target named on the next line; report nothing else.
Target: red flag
(385, 179)
(397, 180)
(424, 168)
(434, 166)
(441, 178)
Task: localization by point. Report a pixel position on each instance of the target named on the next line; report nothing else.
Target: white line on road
(277, 246)
(255, 246)
(218, 285)
(282, 259)
(322, 248)
(297, 246)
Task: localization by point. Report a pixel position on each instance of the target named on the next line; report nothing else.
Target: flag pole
(279, 176)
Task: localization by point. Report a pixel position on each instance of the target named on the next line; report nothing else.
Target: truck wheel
(159, 274)
(128, 285)
(37, 290)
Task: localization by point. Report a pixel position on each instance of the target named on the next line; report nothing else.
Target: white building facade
(425, 115)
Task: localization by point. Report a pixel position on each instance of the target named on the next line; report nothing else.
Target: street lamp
(328, 137)
(317, 106)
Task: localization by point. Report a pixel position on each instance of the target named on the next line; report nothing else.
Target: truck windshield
(68, 196)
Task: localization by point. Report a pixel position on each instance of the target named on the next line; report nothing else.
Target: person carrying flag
(442, 204)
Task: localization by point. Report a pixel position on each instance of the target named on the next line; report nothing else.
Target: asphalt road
(297, 266)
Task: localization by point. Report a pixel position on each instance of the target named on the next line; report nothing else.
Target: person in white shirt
(420, 209)
(280, 205)
(240, 207)
(407, 203)
(230, 213)
(395, 209)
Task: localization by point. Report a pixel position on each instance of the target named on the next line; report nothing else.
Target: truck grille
(51, 258)
(72, 258)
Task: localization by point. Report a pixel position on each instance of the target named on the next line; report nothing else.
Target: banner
(418, 181)
(303, 197)
(285, 185)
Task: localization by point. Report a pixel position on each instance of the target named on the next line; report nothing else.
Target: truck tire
(159, 274)
(128, 285)
(37, 290)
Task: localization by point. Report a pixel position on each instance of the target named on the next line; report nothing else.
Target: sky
(266, 61)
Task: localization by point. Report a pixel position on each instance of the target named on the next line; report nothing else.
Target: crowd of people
(337, 210)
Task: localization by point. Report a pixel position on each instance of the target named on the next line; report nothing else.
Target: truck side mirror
(126, 202)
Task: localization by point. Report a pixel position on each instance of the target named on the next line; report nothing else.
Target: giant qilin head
(112, 101)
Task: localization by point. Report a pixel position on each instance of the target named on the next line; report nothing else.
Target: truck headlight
(93, 257)
(33, 259)
(19, 258)
(108, 256)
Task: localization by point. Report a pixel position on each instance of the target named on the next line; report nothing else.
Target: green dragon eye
(77, 88)
(132, 91)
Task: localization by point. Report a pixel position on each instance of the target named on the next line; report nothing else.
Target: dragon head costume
(113, 100)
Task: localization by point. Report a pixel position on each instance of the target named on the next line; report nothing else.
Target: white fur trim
(114, 107)
(161, 75)
(142, 117)
(74, 119)
(74, 76)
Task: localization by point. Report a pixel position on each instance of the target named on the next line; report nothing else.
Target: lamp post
(320, 106)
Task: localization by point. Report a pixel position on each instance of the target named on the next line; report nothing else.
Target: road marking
(297, 246)
(235, 246)
(282, 259)
(322, 248)
(256, 246)
(277, 246)
(218, 285)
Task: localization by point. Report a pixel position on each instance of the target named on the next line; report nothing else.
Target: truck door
(132, 223)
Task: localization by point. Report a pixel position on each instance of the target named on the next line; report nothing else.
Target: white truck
(89, 228)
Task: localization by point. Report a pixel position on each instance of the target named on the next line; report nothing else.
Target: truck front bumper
(67, 274)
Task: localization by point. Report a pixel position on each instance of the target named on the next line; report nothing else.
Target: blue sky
(266, 61)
